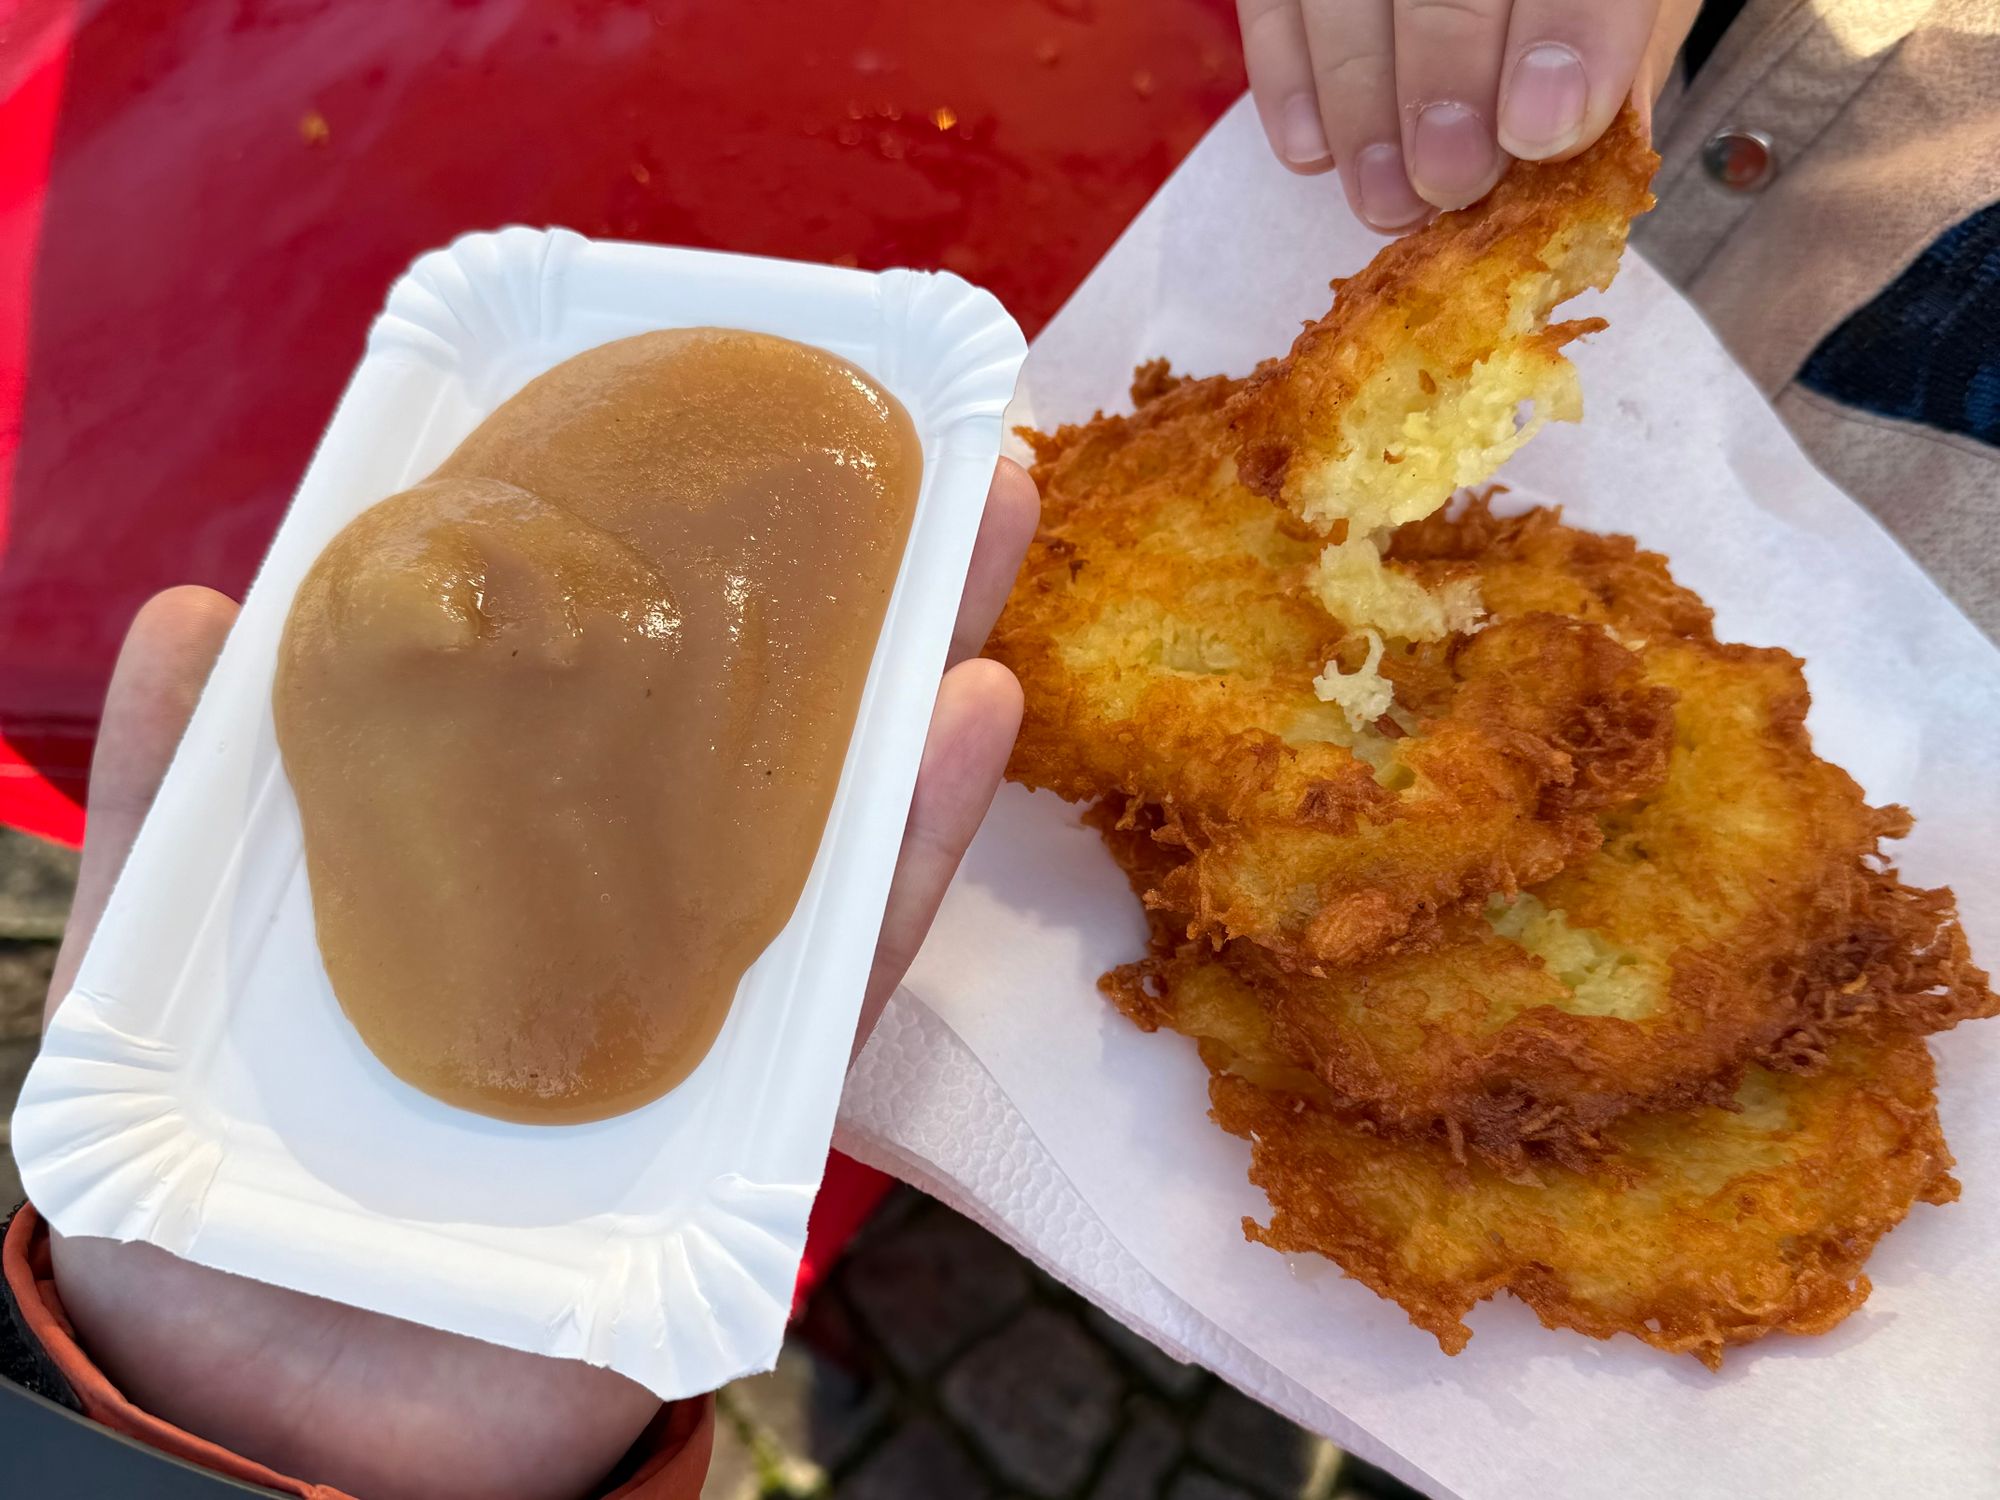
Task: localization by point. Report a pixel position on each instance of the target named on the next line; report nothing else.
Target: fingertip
(1295, 131)
(1296, 134)
(1300, 138)
(1454, 157)
(972, 733)
(1013, 512)
(187, 611)
(1571, 64)
(980, 696)
(163, 664)
(1278, 62)
(1544, 103)
(1000, 689)
(1379, 191)
(162, 667)
(1398, 231)
(173, 641)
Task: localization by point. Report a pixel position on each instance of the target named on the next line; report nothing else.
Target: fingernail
(1301, 136)
(1388, 201)
(1542, 107)
(1455, 155)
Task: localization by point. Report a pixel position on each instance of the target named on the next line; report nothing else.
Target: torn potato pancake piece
(1409, 388)
(1345, 756)
(1433, 366)
(1166, 647)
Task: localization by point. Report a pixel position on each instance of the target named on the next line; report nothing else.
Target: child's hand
(1423, 103)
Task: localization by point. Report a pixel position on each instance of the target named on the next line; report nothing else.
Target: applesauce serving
(564, 721)
(492, 953)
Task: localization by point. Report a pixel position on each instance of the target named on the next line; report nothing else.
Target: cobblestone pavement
(36, 879)
(937, 1364)
(934, 1365)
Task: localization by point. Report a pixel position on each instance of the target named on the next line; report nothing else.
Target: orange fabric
(669, 1461)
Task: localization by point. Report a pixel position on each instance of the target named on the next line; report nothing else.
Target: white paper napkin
(1003, 1083)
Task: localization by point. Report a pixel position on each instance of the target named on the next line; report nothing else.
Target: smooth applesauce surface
(565, 720)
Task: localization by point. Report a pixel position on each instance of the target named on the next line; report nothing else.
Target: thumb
(161, 669)
(972, 731)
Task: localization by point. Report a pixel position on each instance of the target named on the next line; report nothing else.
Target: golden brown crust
(1450, 297)
(1531, 561)
(1167, 638)
(1542, 722)
(1584, 1162)
(1166, 649)
(1577, 974)
(1737, 914)
(1404, 1041)
(1704, 1228)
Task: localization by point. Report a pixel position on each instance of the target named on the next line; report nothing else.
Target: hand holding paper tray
(200, 1088)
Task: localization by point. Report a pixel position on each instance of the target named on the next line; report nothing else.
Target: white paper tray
(201, 1089)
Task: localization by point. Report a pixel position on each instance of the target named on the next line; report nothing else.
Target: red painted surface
(229, 186)
(40, 790)
(202, 203)
(848, 1194)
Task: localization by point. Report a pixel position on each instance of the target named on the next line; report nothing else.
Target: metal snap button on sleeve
(1744, 161)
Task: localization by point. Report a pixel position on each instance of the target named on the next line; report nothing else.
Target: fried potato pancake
(1170, 626)
(1531, 562)
(1487, 1048)
(1702, 1228)
(1695, 1229)
(1166, 648)
(1735, 914)
(1526, 939)
(1738, 914)
(1408, 389)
